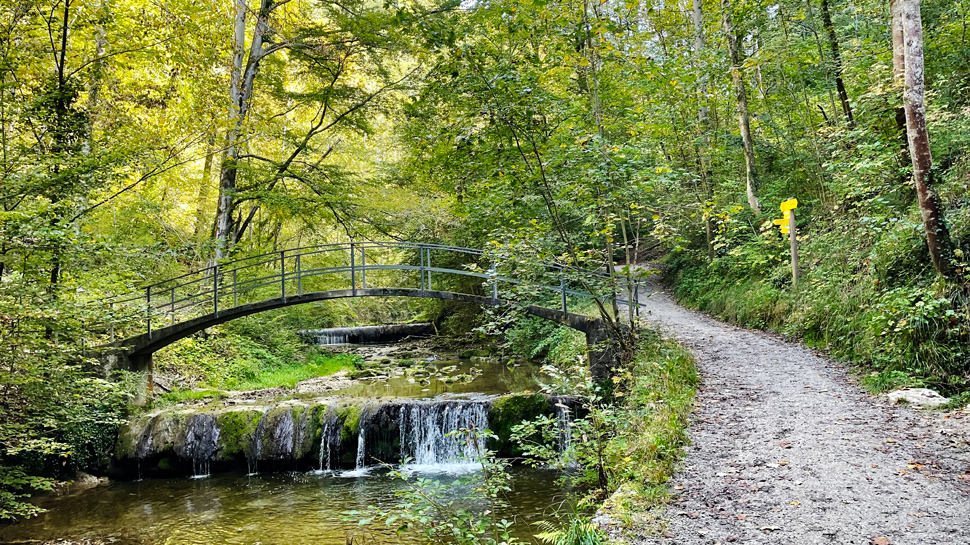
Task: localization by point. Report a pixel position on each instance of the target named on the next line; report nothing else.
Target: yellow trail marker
(787, 224)
(790, 204)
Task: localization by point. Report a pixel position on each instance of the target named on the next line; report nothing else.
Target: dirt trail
(786, 450)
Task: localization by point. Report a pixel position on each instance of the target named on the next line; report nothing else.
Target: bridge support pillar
(604, 353)
(144, 366)
(121, 359)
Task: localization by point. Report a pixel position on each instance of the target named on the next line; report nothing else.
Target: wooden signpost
(787, 224)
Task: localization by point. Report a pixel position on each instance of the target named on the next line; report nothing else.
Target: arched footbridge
(175, 308)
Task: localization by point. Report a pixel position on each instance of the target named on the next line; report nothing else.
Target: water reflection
(285, 509)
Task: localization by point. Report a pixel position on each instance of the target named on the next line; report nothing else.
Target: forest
(143, 139)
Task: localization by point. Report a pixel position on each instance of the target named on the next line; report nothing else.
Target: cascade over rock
(323, 434)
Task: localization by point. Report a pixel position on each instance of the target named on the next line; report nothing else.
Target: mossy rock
(363, 373)
(305, 433)
(162, 434)
(350, 416)
(508, 411)
(236, 429)
(129, 434)
(313, 418)
(278, 432)
(406, 363)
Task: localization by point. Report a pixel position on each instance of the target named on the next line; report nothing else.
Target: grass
(658, 390)
(289, 374)
(285, 375)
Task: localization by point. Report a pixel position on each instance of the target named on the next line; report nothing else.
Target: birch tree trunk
(744, 121)
(914, 104)
(241, 93)
(97, 73)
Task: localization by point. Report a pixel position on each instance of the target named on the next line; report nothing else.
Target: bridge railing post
(299, 276)
(428, 250)
(493, 273)
(283, 275)
(353, 270)
(363, 268)
(215, 289)
(148, 309)
(172, 306)
(421, 255)
(562, 289)
(235, 288)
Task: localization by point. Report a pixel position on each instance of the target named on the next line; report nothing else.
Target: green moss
(236, 429)
(128, 435)
(510, 410)
(165, 464)
(350, 416)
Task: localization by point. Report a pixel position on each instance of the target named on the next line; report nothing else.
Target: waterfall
(329, 439)
(425, 429)
(366, 334)
(324, 339)
(564, 419)
(255, 449)
(360, 465)
(201, 443)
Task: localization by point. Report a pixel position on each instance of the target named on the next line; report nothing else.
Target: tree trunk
(227, 172)
(97, 72)
(837, 63)
(703, 119)
(200, 206)
(744, 121)
(914, 94)
(241, 94)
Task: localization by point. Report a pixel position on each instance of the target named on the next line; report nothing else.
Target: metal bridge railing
(356, 265)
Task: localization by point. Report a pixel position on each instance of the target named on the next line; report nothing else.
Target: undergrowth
(865, 293)
(631, 432)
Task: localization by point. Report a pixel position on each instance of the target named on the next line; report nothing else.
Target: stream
(282, 509)
(283, 468)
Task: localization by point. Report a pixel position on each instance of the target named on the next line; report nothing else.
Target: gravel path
(787, 450)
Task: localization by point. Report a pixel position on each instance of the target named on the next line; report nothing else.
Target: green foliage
(630, 434)
(460, 512)
(578, 530)
(15, 486)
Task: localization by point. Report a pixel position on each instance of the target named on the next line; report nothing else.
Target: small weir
(367, 334)
(328, 434)
(440, 434)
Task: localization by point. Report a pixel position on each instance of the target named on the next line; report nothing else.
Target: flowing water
(283, 509)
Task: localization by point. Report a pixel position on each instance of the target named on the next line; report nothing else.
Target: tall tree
(242, 82)
(741, 95)
(703, 120)
(908, 62)
(837, 63)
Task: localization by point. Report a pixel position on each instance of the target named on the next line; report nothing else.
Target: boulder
(920, 397)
